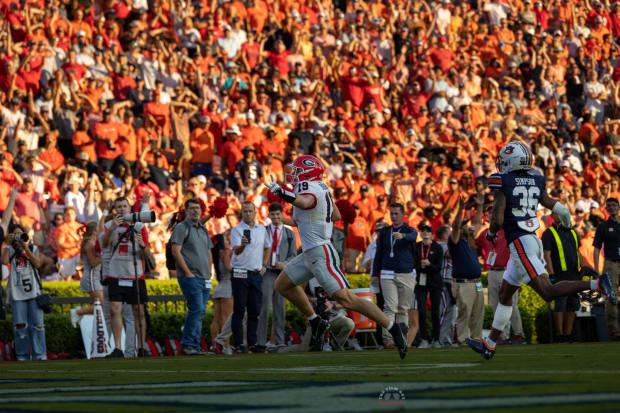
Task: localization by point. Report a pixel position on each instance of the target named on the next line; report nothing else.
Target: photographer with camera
(340, 326)
(23, 287)
(127, 236)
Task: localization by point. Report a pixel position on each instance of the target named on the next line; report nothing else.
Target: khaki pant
(470, 303)
(495, 281)
(397, 294)
(611, 311)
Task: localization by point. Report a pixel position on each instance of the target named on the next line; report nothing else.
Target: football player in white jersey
(314, 214)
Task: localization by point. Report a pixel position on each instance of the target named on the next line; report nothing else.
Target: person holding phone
(251, 247)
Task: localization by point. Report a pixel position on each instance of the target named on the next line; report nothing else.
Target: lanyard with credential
(392, 241)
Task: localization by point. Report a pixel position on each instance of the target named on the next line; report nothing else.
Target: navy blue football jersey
(523, 193)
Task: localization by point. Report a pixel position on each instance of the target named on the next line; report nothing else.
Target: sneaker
(424, 344)
(319, 329)
(257, 349)
(481, 347)
(327, 347)
(75, 317)
(399, 335)
(189, 351)
(518, 340)
(116, 354)
(354, 344)
(605, 287)
(436, 344)
(227, 351)
(143, 353)
(205, 352)
(217, 348)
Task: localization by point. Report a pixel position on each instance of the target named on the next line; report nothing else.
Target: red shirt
(495, 254)
(353, 90)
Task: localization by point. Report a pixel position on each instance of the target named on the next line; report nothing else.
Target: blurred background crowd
(404, 101)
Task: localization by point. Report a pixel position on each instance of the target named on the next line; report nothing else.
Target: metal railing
(172, 303)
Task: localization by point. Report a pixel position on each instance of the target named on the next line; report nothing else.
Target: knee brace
(502, 315)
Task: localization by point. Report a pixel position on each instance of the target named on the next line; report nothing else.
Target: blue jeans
(32, 336)
(247, 293)
(197, 296)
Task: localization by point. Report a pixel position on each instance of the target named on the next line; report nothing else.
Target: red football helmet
(304, 168)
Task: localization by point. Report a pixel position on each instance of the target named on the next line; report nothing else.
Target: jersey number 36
(528, 200)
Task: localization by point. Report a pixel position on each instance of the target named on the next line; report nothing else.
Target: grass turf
(533, 378)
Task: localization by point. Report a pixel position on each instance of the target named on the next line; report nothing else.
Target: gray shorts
(321, 262)
(92, 281)
(223, 289)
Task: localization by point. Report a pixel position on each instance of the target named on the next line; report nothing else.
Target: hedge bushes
(62, 337)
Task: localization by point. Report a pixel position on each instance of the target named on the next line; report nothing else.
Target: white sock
(490, 342)
(593, 284)
(390, 325)
(312, 317)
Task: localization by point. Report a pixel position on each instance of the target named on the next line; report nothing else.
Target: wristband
(288, 196)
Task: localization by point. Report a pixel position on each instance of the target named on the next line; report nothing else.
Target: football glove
(276, 189)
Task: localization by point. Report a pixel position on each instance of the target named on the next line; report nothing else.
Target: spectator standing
(91, 277)
(68, 237)
(429, 259)
(4, 227)
(607, 237)
(283, 249)
(394, 263)
(24, 286)
(190, 240)
(124, 278)
(561, 251)
(222, 293)
(466, 272)
(448, 295)
(251, 246)
(497, 254)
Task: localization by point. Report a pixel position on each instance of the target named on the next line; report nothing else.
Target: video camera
(146, 217)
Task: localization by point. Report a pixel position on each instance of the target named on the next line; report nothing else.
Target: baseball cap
(234, 129)
(383, 151)
(202, 178)
(205, 119)
(410, 132)
(364, 188)
(565, 163)
(248, 149)
(83, 156)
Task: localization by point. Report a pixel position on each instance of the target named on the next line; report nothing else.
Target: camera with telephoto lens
(21, 236)
(142, 216)
(321, 303)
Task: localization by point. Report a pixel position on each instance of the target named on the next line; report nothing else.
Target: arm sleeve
(178, 234)
(495, 181)
(598, 238)
(235, 237)
(376, 264)
(412, 236)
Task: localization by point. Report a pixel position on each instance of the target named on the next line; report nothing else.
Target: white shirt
(497, 11)
(78, 201)
(251, 258)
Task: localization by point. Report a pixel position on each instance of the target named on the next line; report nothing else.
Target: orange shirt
(53, 157)
(107, 131)
(82, 142)
(357, 237)
(161, 113)
(128, 142)
(67, 233)
(231, 152)
(202, 143)
(253, 135)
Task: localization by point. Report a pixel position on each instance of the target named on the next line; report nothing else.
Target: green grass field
(532, 378)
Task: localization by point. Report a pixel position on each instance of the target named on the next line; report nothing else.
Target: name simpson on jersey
(525, 181)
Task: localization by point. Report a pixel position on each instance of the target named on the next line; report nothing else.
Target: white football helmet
(515, 156)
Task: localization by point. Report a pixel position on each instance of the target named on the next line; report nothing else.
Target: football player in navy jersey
(518, 191)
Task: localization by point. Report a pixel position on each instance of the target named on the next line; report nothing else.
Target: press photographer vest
(22, 283)
(121, 261)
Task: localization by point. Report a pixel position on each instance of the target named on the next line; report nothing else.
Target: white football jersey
(315, 224)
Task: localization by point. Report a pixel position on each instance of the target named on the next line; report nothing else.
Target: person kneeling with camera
(127, 237)
(340, 326)
(24, 286)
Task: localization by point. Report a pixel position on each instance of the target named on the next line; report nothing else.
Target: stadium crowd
(404, 101)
